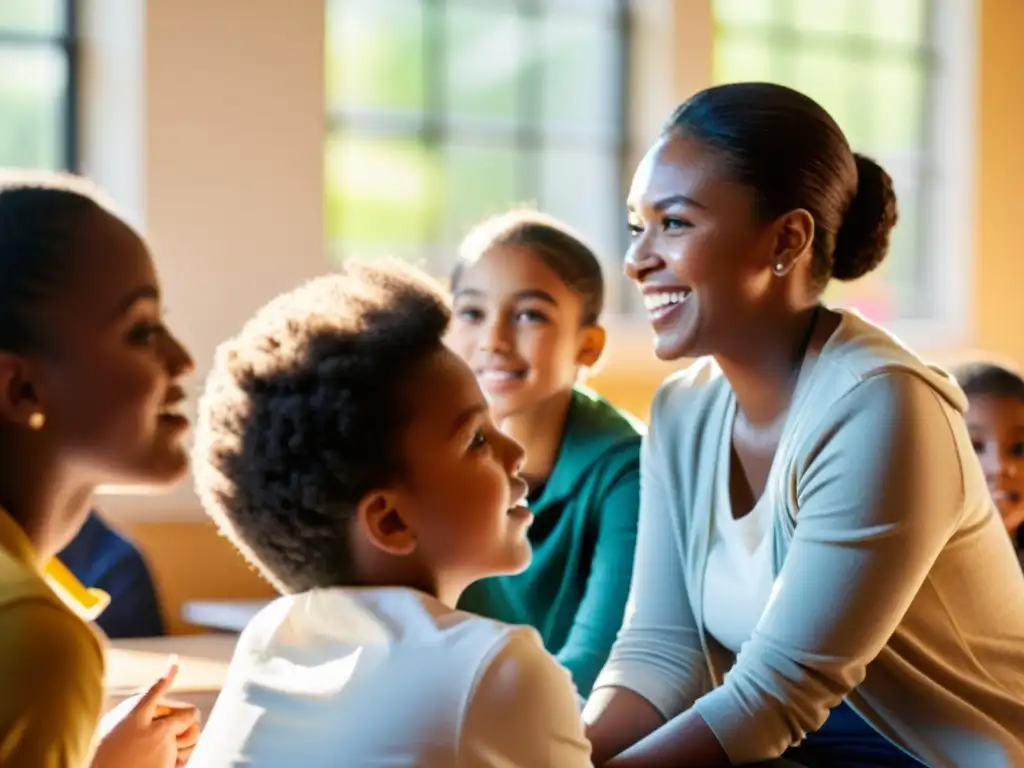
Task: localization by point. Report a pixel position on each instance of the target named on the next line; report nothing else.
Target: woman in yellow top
(89, 395)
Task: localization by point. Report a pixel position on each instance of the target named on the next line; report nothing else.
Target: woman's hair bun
(863, 238)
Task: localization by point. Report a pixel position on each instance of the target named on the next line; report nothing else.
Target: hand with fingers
(147, 732)
(186, 740)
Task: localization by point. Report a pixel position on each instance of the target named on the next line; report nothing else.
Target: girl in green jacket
(527, 296)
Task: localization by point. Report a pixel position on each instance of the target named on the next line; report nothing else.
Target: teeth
(171, 410)
(658, 300)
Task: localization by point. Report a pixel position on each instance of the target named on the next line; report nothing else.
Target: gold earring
(37, 420)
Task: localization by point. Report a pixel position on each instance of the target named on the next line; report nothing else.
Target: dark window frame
(431, 125)
(780, 35)
(67, 43)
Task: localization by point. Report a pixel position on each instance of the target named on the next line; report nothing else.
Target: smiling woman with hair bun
(820, 570)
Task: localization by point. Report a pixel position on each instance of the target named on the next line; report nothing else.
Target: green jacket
(574, 592)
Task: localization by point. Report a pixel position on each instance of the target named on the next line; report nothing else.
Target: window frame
(949, 248)
(67, 43)
(435, 128)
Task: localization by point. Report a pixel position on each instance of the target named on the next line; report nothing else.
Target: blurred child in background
(996, 423)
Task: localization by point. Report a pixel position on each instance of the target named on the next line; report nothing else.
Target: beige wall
(999, 262)
(205, 119)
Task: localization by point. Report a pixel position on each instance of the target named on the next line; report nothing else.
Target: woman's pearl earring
(36, 421)
(780, 269)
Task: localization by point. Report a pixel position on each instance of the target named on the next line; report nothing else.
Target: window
(442, 112)
(37, 84)
(886, 70)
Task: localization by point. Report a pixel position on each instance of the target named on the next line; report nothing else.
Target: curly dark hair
(304, 412)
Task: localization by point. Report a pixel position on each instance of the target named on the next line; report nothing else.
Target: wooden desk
(223, 615)
(134, 665)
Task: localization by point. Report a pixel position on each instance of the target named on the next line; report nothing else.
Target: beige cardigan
(896, 586)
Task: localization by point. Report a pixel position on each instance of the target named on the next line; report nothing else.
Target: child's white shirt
(390, 677)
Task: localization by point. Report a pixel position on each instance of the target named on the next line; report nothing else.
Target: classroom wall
(206, 121)
(998, 259)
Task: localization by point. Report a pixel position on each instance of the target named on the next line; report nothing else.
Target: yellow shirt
(51, 662)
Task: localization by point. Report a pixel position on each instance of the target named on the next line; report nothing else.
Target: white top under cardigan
(896, 585)
(738, 577)
(367, 678)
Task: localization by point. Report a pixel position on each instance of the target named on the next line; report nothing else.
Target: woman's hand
(626, 731)
(616, 719)
(685, 741)
(147, 733)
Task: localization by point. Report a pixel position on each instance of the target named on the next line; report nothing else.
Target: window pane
(900, 86)
(831, 16)
(504, 5)
(877, 94)
(829, 77)
(902, 265)
(895, 289)
(604, 8)
(381, 193)
(859, 125)
(479, 182)
(738, 59)
(33, 83)
(872, 295)
(744, 11)
(41, 17)
(582, 187)
(375, 54)
(580, 59)
(486, 50)
(897, 20)
(502, 79)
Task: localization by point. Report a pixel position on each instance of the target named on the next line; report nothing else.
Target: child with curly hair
(350, 456)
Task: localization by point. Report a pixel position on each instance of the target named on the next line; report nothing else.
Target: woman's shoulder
(689, 415)
(44, 632)
(689, 394)
(859, 352)
(864, 349)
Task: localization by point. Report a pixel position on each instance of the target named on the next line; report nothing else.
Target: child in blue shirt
(101, 557)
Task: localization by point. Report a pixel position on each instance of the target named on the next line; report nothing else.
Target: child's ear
(592, 341)
(383, 524)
